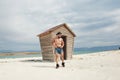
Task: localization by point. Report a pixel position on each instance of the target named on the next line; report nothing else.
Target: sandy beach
(94, 66)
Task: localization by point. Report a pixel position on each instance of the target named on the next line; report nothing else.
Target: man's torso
(58, 42)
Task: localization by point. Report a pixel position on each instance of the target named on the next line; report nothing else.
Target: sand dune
(96, 66)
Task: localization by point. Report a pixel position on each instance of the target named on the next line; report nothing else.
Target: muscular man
(58, 44)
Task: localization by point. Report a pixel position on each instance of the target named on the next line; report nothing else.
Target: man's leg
(62, 57)
(56, 60)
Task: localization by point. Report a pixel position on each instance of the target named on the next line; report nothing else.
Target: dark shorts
(58, 50)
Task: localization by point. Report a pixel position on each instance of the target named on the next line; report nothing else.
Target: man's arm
(62, 43)
(53, 43)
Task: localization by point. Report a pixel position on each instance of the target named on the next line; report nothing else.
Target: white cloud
(94, 25)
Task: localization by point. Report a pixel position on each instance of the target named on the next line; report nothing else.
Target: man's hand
(61, 47)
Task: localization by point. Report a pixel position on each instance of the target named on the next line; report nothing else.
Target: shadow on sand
(37, 60)
(32, 60)
(43, 65)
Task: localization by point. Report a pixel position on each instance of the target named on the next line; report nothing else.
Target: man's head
(59, 34)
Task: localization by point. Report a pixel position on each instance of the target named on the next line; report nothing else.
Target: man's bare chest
(58, 40)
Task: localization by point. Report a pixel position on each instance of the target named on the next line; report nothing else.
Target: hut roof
(56, 27)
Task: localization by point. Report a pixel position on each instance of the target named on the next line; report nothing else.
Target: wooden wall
(46, 47)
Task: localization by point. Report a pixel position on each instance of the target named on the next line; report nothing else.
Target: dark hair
(58, 33)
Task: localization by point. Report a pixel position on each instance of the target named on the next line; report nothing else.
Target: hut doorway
(65, 46)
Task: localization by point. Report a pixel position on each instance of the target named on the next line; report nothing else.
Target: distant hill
(6, 51)
(101, 48)
(11, 51)
(30, 51)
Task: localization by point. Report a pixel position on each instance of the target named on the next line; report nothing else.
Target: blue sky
(95, 22)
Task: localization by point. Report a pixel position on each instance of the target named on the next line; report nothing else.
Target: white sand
(96, 66)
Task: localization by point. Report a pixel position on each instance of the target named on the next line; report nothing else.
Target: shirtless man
(58, 44)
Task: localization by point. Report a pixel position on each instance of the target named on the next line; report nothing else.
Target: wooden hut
(46, 42)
